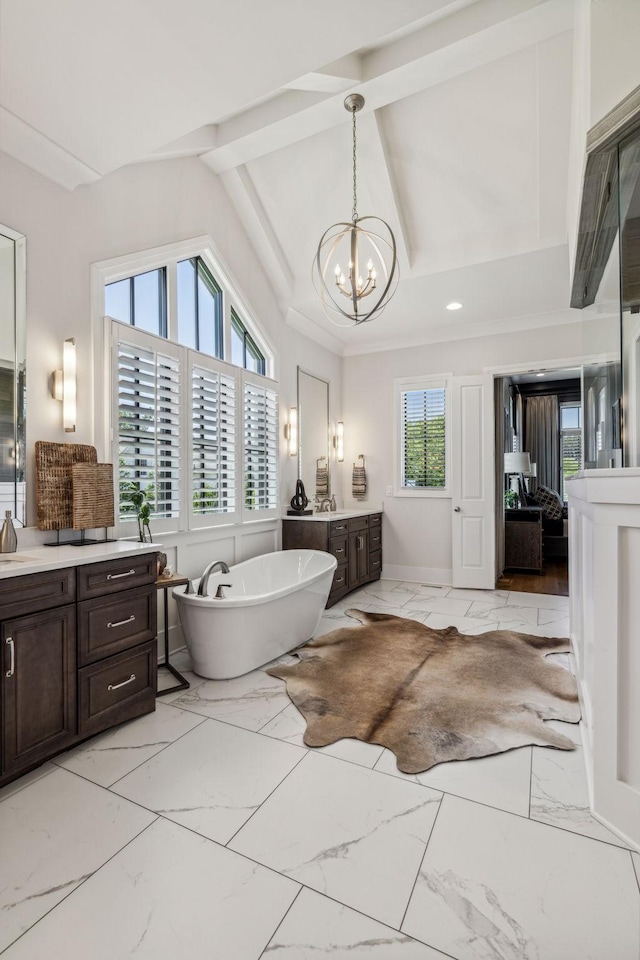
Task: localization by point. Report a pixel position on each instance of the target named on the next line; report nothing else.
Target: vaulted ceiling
(463, 142)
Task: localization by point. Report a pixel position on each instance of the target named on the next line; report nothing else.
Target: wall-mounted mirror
(313, 434)
(12, 373)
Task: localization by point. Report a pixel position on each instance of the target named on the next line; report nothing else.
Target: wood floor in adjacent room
(554, 580)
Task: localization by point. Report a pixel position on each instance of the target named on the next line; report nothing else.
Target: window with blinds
(213, 442)
(148, 429)
(260, 459)
(423, 438)
(570, 442)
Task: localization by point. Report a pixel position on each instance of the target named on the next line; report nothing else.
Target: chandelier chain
(354, 212)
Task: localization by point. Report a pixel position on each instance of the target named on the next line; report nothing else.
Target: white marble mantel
(604, 603)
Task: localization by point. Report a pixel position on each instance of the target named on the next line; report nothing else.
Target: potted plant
(143, 514)
(510, 499)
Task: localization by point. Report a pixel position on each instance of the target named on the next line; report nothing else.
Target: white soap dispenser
(8, 535)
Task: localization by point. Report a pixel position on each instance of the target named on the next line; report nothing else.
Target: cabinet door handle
(116, 686)
(121, 623)
(117, 576)
(456, 509)
(12, 652)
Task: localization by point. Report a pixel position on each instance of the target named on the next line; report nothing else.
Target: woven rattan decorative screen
(92, 503)
(54, 488)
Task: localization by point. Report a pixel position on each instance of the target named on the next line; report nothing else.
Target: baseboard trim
(426, 575)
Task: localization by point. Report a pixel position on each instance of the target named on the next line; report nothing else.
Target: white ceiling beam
(193, 144)
(304, 324)
(402, 233)
(471, 38)
(336, 77)
(29, 146)
(243, 195)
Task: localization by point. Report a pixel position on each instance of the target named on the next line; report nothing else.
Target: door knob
(456, 509)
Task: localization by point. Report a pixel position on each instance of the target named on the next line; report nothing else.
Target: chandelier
(353, 294)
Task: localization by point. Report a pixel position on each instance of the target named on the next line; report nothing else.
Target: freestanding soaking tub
(273, 604)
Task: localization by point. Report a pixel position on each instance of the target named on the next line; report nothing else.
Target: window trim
(167, 255)
(401, 385)
(120, 268)
(570, 432)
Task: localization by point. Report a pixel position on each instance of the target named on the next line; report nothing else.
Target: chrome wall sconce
(63, 385)
(338, 441)
(291, 432)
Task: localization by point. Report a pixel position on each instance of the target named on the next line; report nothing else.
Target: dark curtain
(503, 431)
(542, 439)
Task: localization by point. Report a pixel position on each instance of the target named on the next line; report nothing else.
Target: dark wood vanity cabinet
(78, 656)
(116, 645)
(38, 687)
(359, 553)
(355, 542)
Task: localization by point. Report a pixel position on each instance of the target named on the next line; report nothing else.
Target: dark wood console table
(176, 580)
(523, 539)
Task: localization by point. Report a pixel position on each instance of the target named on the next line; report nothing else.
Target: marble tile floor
(208, 829)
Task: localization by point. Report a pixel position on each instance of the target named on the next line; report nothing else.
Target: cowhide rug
(430, 695)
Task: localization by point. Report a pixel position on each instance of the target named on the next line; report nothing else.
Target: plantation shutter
(213, 440)
(570, 456)
(148, 409)
(260, 461)
(423, 430)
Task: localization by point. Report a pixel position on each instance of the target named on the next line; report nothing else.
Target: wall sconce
(291, 431)
(64, 385)
(338, 441)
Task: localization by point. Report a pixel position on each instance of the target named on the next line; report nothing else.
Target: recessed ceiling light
(539, 374)
(454, 306)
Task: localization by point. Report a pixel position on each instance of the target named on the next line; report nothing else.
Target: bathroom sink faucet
(325, 505)
(204, 580)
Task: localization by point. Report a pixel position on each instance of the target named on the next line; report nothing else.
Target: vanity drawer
(108, 625)
(358, 523)
(375, 520)
(338, 547)
(27, 594)
(338, 527)
(340, 581)
(113, 576)
(375, 538)
(117, 689)
(375, 565)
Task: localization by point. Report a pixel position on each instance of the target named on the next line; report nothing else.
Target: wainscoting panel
(629, 658)
(189, 554)
(605, 612)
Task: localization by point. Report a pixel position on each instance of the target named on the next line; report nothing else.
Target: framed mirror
(313, 435)
(12, 373)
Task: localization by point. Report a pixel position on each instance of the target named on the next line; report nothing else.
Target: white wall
(134, 209)
(417, 532)
(615, 65)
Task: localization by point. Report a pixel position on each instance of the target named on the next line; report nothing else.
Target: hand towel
(359, 482)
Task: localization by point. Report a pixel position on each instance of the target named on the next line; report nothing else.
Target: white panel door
(472, 482)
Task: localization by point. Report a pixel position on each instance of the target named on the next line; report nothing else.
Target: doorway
(538, 448)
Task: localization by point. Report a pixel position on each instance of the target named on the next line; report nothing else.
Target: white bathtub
(274, 604)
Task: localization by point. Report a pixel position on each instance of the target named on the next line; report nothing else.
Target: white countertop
(38, 559)
(328, 516)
